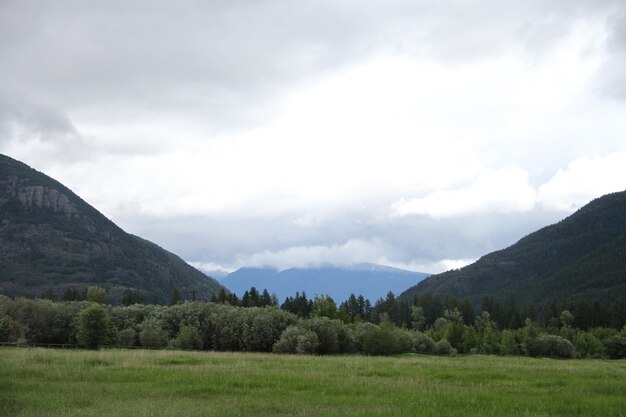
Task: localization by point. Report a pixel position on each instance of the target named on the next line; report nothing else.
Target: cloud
(502, 191)
(583, 180)
(282, 132)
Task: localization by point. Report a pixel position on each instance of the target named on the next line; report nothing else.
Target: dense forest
(300, 325)
(582, 257)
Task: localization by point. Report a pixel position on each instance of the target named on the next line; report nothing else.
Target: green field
(44, 382)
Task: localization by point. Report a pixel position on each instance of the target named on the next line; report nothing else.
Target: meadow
(48, 382)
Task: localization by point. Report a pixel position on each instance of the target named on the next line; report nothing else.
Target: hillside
(581, 257)
(370, 280)
(51, 238)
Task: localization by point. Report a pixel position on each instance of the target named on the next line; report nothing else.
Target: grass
(44, 382)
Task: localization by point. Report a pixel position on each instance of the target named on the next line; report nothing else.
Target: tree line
(318, 326)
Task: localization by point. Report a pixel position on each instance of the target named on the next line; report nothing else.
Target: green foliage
(509, 344)
(551, 346)
(188, 339)
(95, 328)
(615, 346)
(127, 337)
(152, 334)
(96, 295)
(324, 306)
(6, 327)
(387, 339)
(419, 319)
(443, 347)
(422, 343)
(490, 343)
(587, 345)
(131, 297)
(297, 340)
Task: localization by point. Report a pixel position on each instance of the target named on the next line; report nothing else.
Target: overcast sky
(418, 134)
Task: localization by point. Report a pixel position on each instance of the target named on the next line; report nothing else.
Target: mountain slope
(370, 280)
(581, 257)
(51, 238)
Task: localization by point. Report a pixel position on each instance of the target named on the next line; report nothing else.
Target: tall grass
(43, 382)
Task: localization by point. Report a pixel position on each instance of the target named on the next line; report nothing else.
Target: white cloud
(352, 252)
(499, 191)
(583, 180)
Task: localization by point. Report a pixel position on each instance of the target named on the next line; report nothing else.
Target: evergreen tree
(175, 298)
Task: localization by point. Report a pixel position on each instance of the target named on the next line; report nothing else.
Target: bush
(297, 340)
(6, 327)
(422, 343)
(587, 346)
(188, 339)
(551, 346)
(443, 347)
(509, 345)
(152, 334)
(615, 347)
(326, 331)
(128, 337)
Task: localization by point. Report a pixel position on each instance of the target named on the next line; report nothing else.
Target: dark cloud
(228, 61)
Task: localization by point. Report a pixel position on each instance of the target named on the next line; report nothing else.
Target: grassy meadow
(46, 382)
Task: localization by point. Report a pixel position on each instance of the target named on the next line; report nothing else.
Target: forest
(255, 323)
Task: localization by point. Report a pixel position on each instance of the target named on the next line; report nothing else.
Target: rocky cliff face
(35, 196)
(51, 238)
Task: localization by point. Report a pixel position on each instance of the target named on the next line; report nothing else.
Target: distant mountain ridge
(583, 257)
(51, 238)
(371, 280)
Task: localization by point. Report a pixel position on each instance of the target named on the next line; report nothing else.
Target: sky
(415, 134)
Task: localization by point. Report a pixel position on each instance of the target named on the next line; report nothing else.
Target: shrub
(509, 344)
(587, 346)
(443, 347)
(297, 340)
(615, 347)
(152, 334)
(127, 337)
(188, 339)
(6, 327)
(422, 343)
(551, 346)
(326, 331)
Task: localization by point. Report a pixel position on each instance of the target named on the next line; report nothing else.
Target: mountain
(583, 257)
(371, 280)
(51, 238)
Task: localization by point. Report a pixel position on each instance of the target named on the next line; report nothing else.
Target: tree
(188, 339)
(71, 294)
(97, 295)
(566, 318)
(175, 298)
(95, 328)
(509, 345)
(297, 340)
(324, 306)
(48, 294)
(419, 319)
(152, 334)
(130, 297)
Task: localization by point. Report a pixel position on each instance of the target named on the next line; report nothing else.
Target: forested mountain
(583, 257)
(370, 280)
(51, 238)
